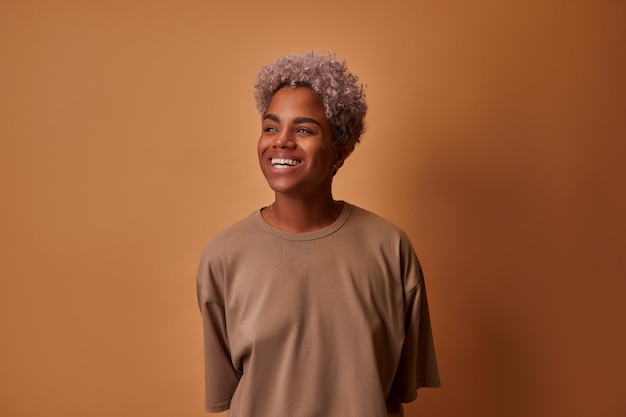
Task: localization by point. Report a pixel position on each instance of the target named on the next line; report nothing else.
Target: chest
(310, 294)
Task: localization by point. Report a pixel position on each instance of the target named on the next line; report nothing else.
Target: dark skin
(296, 156)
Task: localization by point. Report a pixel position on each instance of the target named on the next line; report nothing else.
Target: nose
(284, 139)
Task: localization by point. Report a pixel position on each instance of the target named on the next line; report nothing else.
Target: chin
(280, 186)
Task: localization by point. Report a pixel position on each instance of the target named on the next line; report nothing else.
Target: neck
(300, 216)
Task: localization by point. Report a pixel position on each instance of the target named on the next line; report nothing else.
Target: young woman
(312, 307)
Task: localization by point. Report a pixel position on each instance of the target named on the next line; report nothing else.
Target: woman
(312, 306)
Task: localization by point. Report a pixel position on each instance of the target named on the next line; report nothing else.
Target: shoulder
(232, 237)
(380, 232)
(222, 253)
(381, 238)
(363, 215)
(374, 224)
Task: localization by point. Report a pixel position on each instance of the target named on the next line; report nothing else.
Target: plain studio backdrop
(495, 138)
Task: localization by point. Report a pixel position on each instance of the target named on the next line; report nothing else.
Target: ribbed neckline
(317, 234)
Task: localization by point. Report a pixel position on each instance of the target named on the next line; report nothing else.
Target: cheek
(324, 157)
(261, 145)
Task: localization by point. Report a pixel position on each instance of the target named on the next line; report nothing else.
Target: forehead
(296, 99)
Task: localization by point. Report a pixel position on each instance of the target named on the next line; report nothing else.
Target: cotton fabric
(331, 323)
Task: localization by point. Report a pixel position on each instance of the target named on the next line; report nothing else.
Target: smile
(284, 163)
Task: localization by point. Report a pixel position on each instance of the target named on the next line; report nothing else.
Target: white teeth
(283, 163)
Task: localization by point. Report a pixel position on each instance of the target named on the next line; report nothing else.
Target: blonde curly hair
(343, 96)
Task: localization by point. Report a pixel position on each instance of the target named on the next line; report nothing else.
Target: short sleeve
(418, 365)
(221, 378)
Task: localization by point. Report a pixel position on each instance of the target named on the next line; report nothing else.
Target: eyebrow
(296, 120)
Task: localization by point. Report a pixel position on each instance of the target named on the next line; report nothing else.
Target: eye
(304, 130)
(269, 129)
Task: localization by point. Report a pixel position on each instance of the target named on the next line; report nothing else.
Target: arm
(418, 364)
(221, 378)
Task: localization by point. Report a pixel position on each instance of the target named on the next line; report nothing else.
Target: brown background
(495, 139)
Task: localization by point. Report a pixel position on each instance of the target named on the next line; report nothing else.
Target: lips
(282, 163)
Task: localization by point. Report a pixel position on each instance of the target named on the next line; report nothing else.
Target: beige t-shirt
(331, 323)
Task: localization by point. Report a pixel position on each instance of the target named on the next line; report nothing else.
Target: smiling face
(295, 148)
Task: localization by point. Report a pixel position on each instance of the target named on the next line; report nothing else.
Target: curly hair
(343, 96)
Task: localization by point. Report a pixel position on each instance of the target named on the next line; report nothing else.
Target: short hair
(340, 91)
